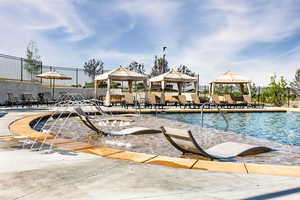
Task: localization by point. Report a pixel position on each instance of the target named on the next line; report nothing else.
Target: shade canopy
(121, 74)
(53, 75)
(173, 76)
(231, 78)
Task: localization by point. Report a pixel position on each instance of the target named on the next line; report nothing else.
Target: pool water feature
(280, 127)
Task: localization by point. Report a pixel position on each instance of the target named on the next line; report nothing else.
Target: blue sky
(256, 38)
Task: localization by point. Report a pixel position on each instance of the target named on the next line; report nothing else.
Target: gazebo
(173, 77)
(119, 74)
(231, 78)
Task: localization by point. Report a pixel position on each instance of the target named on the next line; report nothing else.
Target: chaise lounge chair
(128, 131)
(184, 141)
(129, 101)
(216, 101)
(196, 101)
(153, 102)
(183, 102)
(248, 101)
(232, 103)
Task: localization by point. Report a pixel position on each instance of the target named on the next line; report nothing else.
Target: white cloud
(32, 15)
(243, 25)
(158, 13)
(210, 40)
(123, 58)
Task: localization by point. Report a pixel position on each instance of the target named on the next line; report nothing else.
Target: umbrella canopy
(53, 75)
(173, 76)
(231, 78)
(121, 74)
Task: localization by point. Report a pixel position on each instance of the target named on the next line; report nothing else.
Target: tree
(184, 69)
(253, 90)
(137, 67)
(32, 62)
(277, 91)
(295, 85)
(160, 66)
(93, 68)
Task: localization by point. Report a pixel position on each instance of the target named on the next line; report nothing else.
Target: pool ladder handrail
(219, 110)
(137, 104)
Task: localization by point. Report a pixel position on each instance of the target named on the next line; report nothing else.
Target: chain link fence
(14, 68)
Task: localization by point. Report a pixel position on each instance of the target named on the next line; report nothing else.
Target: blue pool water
(2, 114)
(277, 126)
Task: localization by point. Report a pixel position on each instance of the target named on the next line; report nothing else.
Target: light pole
(164, 58)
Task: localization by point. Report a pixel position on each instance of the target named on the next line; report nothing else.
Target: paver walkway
(29, 175)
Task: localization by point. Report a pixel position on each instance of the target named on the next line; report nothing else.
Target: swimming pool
(2, 114)
(276, 126)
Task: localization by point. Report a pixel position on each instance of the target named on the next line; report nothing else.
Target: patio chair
(12, 100)
(48, 98)
(216, 101)
(28, 99)
(128, 131)
(117, 100)
(45, 98)
(129, 101)
(196, 101)
(248, 101)
(172, 100)
(232, 103)
(184, 141)
(183, 102)
(152, 101)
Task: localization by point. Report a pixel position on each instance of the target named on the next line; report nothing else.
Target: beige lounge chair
(196, 100)
(129, 100)
(184, 141)
(183, 102)
(152, 102)
(248, 101)
(217, 102)
(231, 103)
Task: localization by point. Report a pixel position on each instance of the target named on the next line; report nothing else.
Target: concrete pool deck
(76, 175)
(62, 175)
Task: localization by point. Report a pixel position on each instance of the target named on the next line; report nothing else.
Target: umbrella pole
(53, 85)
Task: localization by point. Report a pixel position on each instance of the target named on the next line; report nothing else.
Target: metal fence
(14, 68)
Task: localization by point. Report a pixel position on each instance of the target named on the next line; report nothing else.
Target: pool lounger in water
(184, 141)
(128, 131)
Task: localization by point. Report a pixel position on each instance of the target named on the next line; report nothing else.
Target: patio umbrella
(53, 75)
